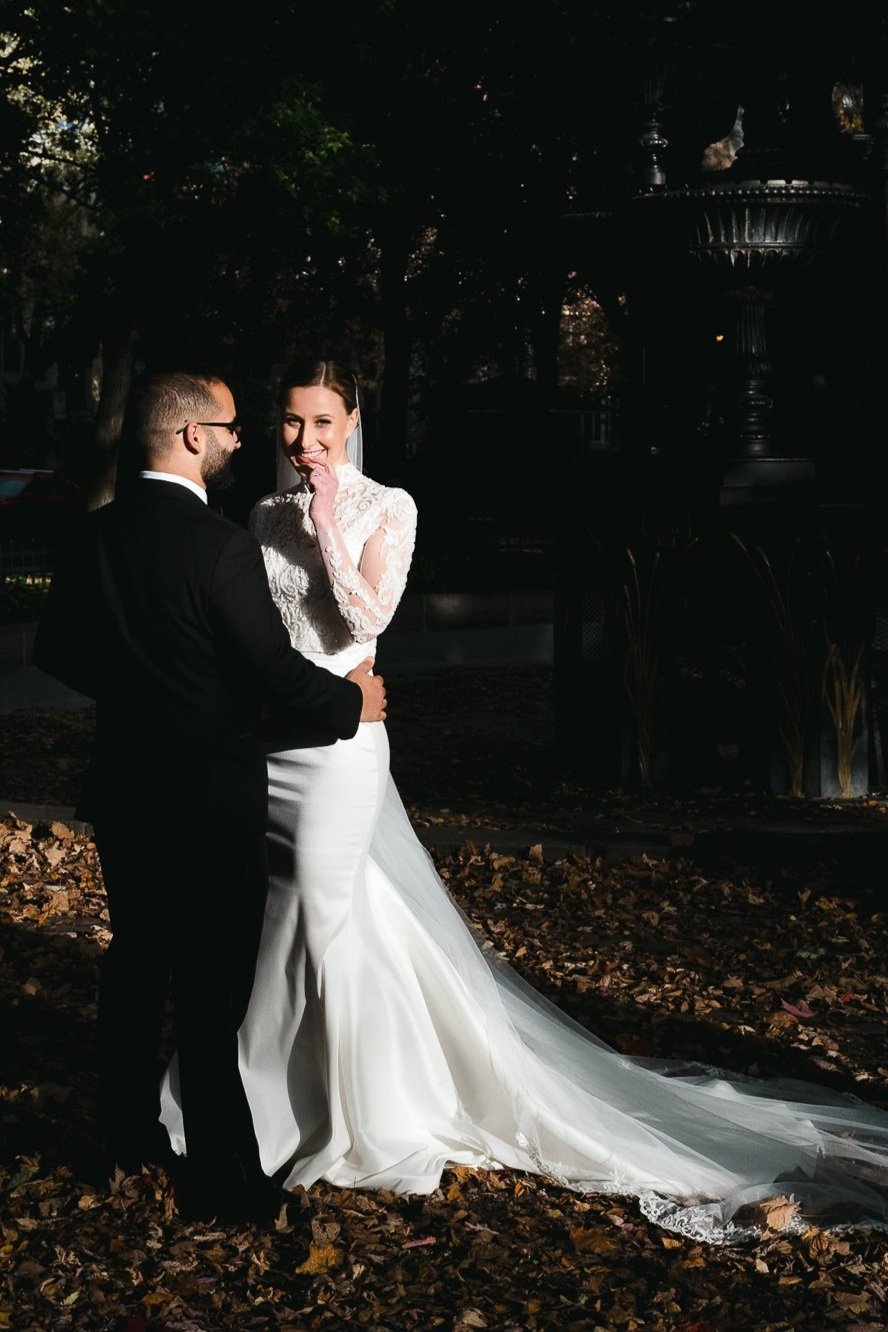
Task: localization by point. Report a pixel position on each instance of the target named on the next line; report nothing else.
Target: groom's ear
(193, 438)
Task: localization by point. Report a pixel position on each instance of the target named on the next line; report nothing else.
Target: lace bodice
(336, 601)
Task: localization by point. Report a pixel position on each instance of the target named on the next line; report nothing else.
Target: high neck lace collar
(347, 473)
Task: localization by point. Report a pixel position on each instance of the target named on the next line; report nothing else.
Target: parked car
(36, 506)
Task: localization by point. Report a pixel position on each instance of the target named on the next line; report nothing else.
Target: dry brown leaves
(774, 966)
(655, 956)
(44, 753)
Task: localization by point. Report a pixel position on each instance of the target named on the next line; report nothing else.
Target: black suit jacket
(161, 611)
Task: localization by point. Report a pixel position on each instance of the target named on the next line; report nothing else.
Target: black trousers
(186, 906)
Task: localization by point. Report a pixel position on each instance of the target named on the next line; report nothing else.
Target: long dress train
(385, 1040)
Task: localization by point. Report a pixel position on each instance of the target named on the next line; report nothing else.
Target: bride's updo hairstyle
(309, 372)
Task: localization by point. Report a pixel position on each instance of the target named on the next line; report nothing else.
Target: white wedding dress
(385, 1040)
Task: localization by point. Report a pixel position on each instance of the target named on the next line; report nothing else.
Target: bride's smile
(315, 426)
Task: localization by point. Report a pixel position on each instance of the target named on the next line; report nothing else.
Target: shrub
(22, 597)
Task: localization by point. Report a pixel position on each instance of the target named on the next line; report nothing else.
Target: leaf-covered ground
(777, 962)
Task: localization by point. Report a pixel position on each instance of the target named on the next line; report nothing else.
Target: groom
(162, 613)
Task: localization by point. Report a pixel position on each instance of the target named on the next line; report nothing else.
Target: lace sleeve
(367, 595)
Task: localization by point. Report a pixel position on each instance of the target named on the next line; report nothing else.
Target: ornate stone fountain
(736, 280)
(754, 240)
(756, 223)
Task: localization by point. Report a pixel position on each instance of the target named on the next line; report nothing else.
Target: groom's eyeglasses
(233, 427)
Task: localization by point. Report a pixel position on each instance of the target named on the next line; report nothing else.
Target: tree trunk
(118, 359)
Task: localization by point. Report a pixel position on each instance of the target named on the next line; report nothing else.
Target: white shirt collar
(179, 480)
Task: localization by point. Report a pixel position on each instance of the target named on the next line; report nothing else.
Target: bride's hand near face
(323, 483)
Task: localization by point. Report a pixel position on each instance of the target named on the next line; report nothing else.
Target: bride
(384, 1041)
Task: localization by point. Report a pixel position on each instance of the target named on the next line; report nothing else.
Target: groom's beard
(218, 470)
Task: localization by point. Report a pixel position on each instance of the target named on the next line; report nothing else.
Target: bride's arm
(367, 594)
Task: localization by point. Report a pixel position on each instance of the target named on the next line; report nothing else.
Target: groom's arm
(250, 624)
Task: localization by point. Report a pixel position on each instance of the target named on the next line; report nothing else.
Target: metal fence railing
(25, 557)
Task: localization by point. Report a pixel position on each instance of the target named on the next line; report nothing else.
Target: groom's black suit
(162, 613)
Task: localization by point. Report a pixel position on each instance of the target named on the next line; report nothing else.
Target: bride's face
(315, 424)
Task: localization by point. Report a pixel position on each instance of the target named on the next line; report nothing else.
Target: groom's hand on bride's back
(373, 689)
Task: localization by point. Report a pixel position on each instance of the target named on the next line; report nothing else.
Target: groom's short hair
(160, 403)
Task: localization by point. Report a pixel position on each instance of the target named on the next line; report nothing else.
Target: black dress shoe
(257, 1202)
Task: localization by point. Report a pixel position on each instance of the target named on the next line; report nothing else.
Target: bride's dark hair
(307, 372)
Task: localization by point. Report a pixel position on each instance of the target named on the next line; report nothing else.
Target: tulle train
(386, 1041)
